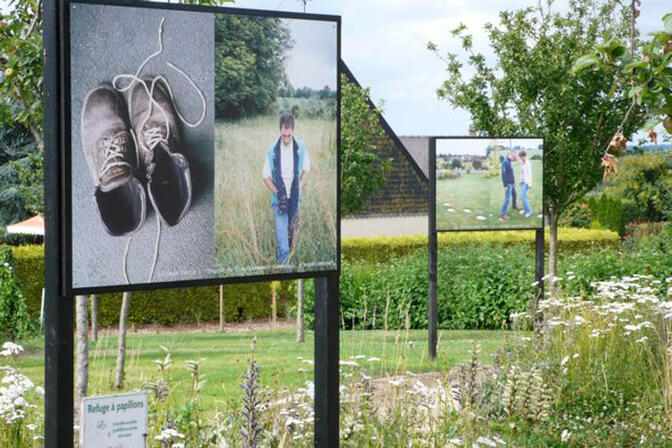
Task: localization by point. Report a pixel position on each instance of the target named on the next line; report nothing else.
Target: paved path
(391, 226)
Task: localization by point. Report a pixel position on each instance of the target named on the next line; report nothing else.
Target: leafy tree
(362, 171)
(456, 163)
(17, 153)
(21, 59)
(645, 179)
(249, 64)
(648, 74)
(530, 91)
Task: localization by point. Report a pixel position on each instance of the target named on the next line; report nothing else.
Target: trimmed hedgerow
(373, 268)
(384, 249)
(164, 307)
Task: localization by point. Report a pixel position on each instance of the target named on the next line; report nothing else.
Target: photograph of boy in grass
(275, 122)
(286, 168)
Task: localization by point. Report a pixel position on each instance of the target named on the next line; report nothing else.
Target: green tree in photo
(362, 169)
(249, 64)
(530, 91)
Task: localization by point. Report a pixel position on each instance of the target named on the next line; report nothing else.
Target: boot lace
(154, 134)
(113, 148)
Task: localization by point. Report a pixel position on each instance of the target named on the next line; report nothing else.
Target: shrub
(15, 322)
(382, 249)
(166, 306)
(608, 212)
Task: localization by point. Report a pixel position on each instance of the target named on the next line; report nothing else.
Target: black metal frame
(58, 326)
(434, 246)
(66, 190)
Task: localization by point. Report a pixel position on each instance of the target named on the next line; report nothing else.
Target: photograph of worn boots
(119, 152)
(112, 157)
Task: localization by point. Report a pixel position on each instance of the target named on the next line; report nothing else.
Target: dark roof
(418, 147)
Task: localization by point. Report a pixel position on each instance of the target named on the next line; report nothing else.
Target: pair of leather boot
(126, 153)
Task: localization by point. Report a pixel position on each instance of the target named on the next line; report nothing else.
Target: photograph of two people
(484, 183)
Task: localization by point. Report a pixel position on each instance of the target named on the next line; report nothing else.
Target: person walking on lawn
(286, 168)
(509, 181)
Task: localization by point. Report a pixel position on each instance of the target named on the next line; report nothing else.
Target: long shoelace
(154, 135)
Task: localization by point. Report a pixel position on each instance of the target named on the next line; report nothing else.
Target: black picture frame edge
(432, 181)
(66, 287)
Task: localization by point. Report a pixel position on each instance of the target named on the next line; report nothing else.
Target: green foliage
(163, 307)
(647, 74)
(529, 91)
(21, 59)
(645, 179)
(481, 280)
(17, 154)
(646, 251)
(15, 322)
(608, 212)
(249, 69)
(361, 169)
(384, 249)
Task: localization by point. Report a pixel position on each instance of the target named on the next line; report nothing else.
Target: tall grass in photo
(244, 224)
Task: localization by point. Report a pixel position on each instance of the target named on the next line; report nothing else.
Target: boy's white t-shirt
(526, 173)
(287, 160)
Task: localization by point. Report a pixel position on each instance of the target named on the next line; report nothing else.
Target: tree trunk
(299, 312)
(221, 308)
(94, 318)
(274, 305)
(553, 251)
(121, 355)
(82, 361)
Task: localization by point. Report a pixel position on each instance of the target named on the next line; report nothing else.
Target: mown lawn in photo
(473, 201)
(225, 356)
(244, 225)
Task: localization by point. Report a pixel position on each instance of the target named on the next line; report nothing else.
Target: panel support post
(539, 250)
(433, 253)
(326, 361)
(58, 310)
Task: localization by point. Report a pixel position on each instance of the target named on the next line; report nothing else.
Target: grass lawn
(472, 195)
(225, 357)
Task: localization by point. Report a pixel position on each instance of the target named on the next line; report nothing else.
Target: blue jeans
(281, 234)
(523, 197)
(507, 199)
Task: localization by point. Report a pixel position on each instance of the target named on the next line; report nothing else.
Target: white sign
(114, 421)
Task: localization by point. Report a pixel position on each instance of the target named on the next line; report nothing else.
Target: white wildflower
(565, 435)
(486, 441)
(168, 434)
(11, 349)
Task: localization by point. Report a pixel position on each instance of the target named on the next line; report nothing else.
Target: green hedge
(165, 306)
(364, 277)
(480, 285)
(384, 249)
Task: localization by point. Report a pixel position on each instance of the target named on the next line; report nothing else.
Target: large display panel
(201, 145)
(487, 183)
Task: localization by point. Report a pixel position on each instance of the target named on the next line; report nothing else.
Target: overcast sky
(384, 44)
(312, 61)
